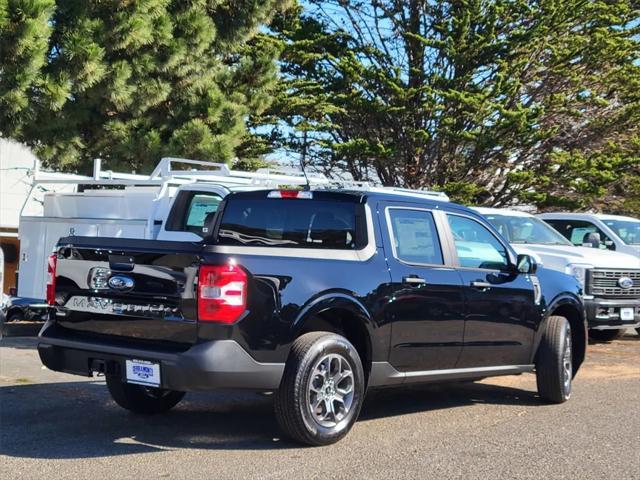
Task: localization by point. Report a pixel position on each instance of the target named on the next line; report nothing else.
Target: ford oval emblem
(120, 283)
(625, 282)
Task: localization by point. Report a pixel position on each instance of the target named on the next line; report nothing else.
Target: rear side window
(292, 223)
(415, 238)
(578, 231)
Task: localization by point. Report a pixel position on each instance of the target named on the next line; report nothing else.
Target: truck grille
(605, 283)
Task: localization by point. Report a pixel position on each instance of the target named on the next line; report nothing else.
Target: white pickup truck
(610, 232)
(610, 280)
(170, 204)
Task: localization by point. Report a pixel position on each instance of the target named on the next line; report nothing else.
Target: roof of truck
(360, 195)
(575, 215)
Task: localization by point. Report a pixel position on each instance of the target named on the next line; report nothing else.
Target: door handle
(414, 280)
(480, 285)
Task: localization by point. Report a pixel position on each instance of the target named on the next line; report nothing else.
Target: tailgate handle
(122, 263)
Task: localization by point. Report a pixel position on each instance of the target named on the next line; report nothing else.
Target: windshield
(627, 230)
(518, 229)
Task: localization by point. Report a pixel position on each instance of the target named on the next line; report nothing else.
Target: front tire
(604, 335)
(140, 399)
(554, 362)
(322, 389)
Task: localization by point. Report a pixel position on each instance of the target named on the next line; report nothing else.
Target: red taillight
(222, 293)
(51, 278)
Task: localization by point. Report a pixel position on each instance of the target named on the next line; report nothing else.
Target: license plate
(143, 372)
(627, 313)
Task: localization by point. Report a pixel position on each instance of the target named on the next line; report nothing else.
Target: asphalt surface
(60, 426)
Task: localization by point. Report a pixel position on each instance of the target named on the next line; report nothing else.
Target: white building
(18, 166)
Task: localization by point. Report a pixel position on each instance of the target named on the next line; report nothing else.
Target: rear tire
(142, 400)
(322, 389)
(604, 335)
(16, 316)
(554, 363)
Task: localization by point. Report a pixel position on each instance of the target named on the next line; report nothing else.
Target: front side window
(476, 246)
(415, 238)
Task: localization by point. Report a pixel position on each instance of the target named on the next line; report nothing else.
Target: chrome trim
(361, 255)
(383, 374)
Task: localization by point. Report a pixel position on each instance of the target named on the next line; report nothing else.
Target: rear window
(292, 223)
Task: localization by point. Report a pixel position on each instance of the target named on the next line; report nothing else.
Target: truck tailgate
(136, 289)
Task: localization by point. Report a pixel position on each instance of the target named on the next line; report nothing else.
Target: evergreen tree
(493, 101)
(132, 81)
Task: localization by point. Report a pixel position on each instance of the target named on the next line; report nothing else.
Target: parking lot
(60, 426)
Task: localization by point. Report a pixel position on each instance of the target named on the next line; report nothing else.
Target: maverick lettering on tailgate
(109, 306)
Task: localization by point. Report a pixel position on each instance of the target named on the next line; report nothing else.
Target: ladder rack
(166, 174)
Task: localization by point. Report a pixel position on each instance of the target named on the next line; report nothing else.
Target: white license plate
(627, 313)
(142, 372)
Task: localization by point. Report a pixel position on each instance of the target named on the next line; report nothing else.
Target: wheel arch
(16, 309)
(343, 314)
(573, 310)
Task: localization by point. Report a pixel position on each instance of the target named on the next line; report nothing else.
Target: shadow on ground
(79, 420)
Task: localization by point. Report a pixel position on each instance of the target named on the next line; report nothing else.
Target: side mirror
(526, 264)
(592, 240)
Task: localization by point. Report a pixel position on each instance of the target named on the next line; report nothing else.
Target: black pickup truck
(317, 295)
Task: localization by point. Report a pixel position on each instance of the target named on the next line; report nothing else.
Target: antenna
(303, 158)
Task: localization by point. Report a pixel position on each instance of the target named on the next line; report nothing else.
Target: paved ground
(59, 426)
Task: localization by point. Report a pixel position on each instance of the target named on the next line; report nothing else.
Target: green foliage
(494, 101)
(131, 81)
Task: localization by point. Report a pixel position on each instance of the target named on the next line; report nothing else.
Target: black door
(427, 304)
(500, 304)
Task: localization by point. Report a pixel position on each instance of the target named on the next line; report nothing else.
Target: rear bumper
(205, 366)
(604, 314)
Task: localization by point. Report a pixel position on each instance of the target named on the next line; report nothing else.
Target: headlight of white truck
(579, 272)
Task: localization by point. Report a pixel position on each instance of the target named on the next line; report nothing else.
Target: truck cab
(604, 232)
(610, 280)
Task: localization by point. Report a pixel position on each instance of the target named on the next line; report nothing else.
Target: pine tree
(133, 81)
(493, 101)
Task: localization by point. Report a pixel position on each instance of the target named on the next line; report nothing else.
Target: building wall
(17, 164)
